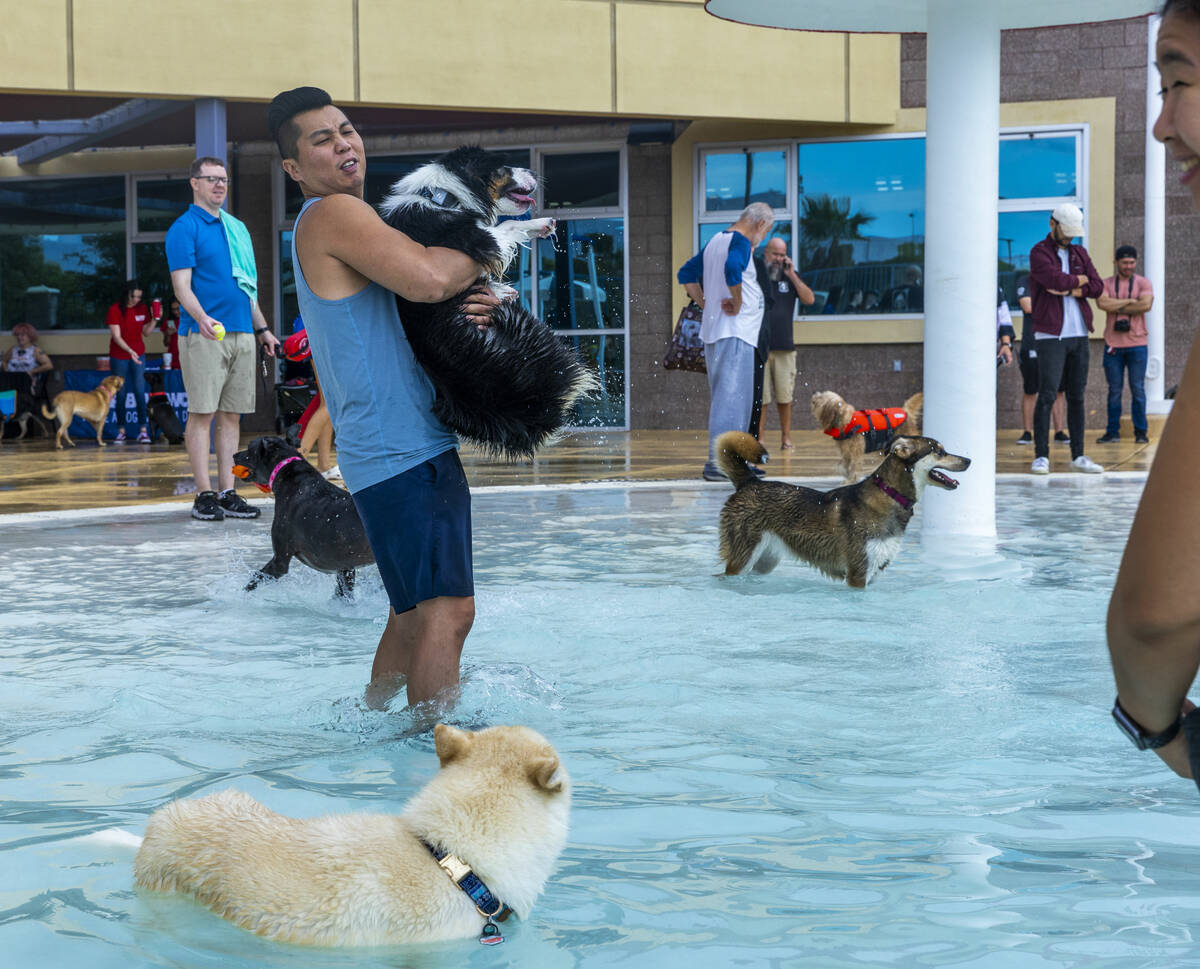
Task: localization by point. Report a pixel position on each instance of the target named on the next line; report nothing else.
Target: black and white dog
(511, 388)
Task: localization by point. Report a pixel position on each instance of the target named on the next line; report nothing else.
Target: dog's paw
(541, 228)
(502, 292)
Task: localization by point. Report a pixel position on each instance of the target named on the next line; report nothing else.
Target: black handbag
(686, 350)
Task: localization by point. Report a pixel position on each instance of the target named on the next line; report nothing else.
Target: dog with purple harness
(315, 521)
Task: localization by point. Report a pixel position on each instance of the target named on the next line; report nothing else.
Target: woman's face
(23, 339)
(1177, 55)
(134, 297)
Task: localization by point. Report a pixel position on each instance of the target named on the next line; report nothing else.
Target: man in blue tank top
(398, 460)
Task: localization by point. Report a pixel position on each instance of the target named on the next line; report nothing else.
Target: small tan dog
(499, 804)
(91, 405)
(859, 432)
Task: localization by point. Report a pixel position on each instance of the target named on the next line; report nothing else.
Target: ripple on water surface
(769, 771)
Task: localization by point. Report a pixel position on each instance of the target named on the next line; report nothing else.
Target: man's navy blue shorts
(419, 527)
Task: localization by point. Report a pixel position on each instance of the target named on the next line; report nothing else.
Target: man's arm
(348, 231)
(1092, 285)
(262, 330)
(695, 293)
(1046, 270)
(1111, 304)
(806, 295)
(181, 282)
(732, 305)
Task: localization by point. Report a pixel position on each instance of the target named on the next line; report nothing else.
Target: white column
(1154, 236)
(961, 187)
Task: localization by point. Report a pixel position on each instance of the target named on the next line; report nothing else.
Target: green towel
(241, 254)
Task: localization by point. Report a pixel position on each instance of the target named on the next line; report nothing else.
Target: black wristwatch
(1137, 733)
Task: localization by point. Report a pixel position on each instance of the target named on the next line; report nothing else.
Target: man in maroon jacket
(1061, 280)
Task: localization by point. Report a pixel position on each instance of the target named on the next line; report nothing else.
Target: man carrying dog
(1061, 280)
(780, 379)
(399, 462)
(214, 278)
(733, 314)
(1126, 301)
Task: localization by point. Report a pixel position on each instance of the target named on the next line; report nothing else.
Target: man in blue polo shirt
(213, 274)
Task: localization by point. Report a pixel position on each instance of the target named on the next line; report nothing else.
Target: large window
(575, 281)
(62, 250)
(853, 211)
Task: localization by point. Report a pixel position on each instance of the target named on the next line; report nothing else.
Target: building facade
(644, 152)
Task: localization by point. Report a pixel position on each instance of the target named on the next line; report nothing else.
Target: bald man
(779, 378)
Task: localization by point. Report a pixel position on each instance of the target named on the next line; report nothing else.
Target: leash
(473, 887)
(902, 500)
(281, 464)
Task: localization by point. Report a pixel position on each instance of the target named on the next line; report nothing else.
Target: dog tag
(490, 934)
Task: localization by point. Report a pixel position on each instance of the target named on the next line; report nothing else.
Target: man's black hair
(1181, 6)
(1126, 252)
(284, 107)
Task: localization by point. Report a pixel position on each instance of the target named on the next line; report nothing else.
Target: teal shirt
(379, 398)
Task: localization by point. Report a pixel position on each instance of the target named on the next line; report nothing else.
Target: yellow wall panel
(33, 44)
(680, 61)
(537, 55)
(874, 78)
(217, 48)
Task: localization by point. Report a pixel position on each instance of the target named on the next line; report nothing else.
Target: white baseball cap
(1069, 218)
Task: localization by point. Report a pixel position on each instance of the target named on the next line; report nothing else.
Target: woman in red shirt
(170, 332)
(129, 321)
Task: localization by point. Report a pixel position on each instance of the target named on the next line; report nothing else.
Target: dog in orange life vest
(858, 433)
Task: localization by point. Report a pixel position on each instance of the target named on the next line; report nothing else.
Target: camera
(1121, 326)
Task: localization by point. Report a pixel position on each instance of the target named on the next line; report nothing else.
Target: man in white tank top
(723, 281)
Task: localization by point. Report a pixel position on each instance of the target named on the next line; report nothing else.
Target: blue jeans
(135, 385)
(1116, 360)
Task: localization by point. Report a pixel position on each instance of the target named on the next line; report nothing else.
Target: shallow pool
(769, 771)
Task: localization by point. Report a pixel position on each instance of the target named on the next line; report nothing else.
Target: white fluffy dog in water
(499, 804)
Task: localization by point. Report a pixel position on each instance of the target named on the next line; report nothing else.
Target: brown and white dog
(91, 405)
(497, 808)
(849, 533)
(861, 432)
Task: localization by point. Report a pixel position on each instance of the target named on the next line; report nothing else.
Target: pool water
(769, 770)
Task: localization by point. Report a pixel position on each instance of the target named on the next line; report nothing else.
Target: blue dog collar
(486, 904)
(438, 196)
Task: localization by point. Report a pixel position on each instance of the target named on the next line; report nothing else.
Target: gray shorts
(218, 375)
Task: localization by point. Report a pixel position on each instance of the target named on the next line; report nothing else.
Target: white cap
(1069, 218)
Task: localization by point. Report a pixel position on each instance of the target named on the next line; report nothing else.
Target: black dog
(315, 521)
(160, 411)
(511, 388)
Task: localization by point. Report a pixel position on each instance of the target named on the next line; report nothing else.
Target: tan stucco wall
(596, 57)
(1098, 113)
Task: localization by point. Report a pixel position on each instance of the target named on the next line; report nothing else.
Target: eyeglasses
(213, 179)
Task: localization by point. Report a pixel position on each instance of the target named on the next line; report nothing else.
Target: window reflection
(1037, 167)
(1018, 233)
(582, 180)
(604, 355)
(732, 180)
(62, 251)
(161, 201)
(861, 225)
(581, 275)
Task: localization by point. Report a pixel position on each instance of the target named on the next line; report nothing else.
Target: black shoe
(1141, 438)
(1025, 438)
(206, 508)
(1108, 438)
(713, 474)
(1061, 437)
(234, 505)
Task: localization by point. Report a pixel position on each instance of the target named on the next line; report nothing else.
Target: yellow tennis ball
(219, 330)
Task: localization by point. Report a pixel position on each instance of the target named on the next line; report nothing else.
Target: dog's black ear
(904, 447)
(450, 742)
(546, 773)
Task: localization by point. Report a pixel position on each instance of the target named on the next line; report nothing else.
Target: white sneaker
(333, 474)
(1040, 466)
(1086, 465)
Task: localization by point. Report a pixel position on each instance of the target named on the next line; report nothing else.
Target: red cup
(156, 308)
